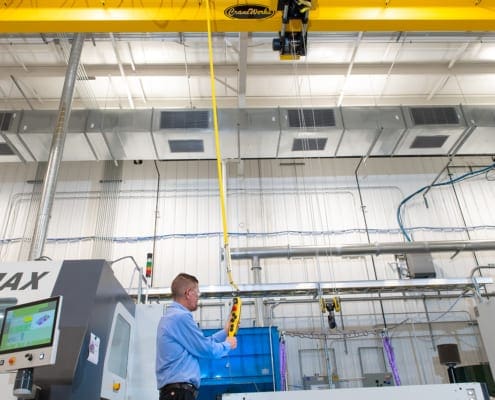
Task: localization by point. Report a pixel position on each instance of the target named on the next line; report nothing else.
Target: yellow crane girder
(233, 16)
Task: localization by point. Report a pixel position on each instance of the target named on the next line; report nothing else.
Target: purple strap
(387, 345)
(283, 365)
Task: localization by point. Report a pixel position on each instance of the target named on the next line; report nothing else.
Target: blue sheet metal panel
(253, 366)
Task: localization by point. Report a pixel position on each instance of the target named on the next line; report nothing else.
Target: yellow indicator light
(116, 386)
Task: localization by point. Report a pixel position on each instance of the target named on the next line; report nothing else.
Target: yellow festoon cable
(219, 155)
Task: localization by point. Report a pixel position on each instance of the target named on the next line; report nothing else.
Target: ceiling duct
(370, 131)
(32, 135)
(251, 133)
(259, 132)
(309, 132)
(432, 130)
(8, 124)
(482, 140)
(188, 134)
(229, 129)
(121, 134)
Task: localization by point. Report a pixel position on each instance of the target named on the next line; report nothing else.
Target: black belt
(181, 385)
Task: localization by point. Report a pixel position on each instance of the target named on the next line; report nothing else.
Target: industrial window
(309, 144)
(119, 347)
(184, 119)
(434, 115)
(311, 118)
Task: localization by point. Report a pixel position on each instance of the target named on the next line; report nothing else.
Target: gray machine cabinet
(91, 293)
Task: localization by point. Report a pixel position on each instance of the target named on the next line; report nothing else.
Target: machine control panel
(29, 334)
(29, 359)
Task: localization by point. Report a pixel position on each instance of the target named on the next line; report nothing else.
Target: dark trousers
(176, 394)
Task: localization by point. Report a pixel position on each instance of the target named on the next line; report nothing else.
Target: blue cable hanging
(448, 182)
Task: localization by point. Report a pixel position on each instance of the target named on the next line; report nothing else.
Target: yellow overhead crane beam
(20, 16)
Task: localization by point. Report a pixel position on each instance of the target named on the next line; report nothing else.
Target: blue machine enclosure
(252, 367)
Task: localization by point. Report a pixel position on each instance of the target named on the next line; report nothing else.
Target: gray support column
(258, 302)
(56, 150)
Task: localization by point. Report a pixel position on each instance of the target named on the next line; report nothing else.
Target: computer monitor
(29, 336)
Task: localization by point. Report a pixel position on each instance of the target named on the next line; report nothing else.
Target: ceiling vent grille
(434, 115)
(184, 119)
(186, 146)
(311, 118)
(5, 150)
(429, 142)
(5, 119)
(309, 144)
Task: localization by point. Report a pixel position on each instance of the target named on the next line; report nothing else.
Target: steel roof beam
(261, 69)
(190, 16)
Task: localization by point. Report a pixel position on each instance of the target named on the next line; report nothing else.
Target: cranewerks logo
(17, 281)
(249, 11)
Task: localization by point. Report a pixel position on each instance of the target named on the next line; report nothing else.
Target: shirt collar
(179, 306)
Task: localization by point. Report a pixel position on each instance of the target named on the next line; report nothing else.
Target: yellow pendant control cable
(235, 312)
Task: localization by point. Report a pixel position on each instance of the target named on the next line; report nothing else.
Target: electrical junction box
(420, 265)
(378, 379)
(315, 382)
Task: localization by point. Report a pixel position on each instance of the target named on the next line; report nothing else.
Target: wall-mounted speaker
(449, 354)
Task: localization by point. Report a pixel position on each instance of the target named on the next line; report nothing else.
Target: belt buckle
(184, 386)
(190, 388)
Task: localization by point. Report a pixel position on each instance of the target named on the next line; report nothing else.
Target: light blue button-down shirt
(179, 344)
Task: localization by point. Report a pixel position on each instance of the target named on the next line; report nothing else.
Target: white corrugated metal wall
(274, 202)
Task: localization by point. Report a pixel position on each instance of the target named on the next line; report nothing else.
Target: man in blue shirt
(180, 343)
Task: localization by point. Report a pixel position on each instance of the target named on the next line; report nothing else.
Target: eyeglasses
(195, 291)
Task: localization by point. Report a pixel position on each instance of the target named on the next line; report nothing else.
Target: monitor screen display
(29, 326)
